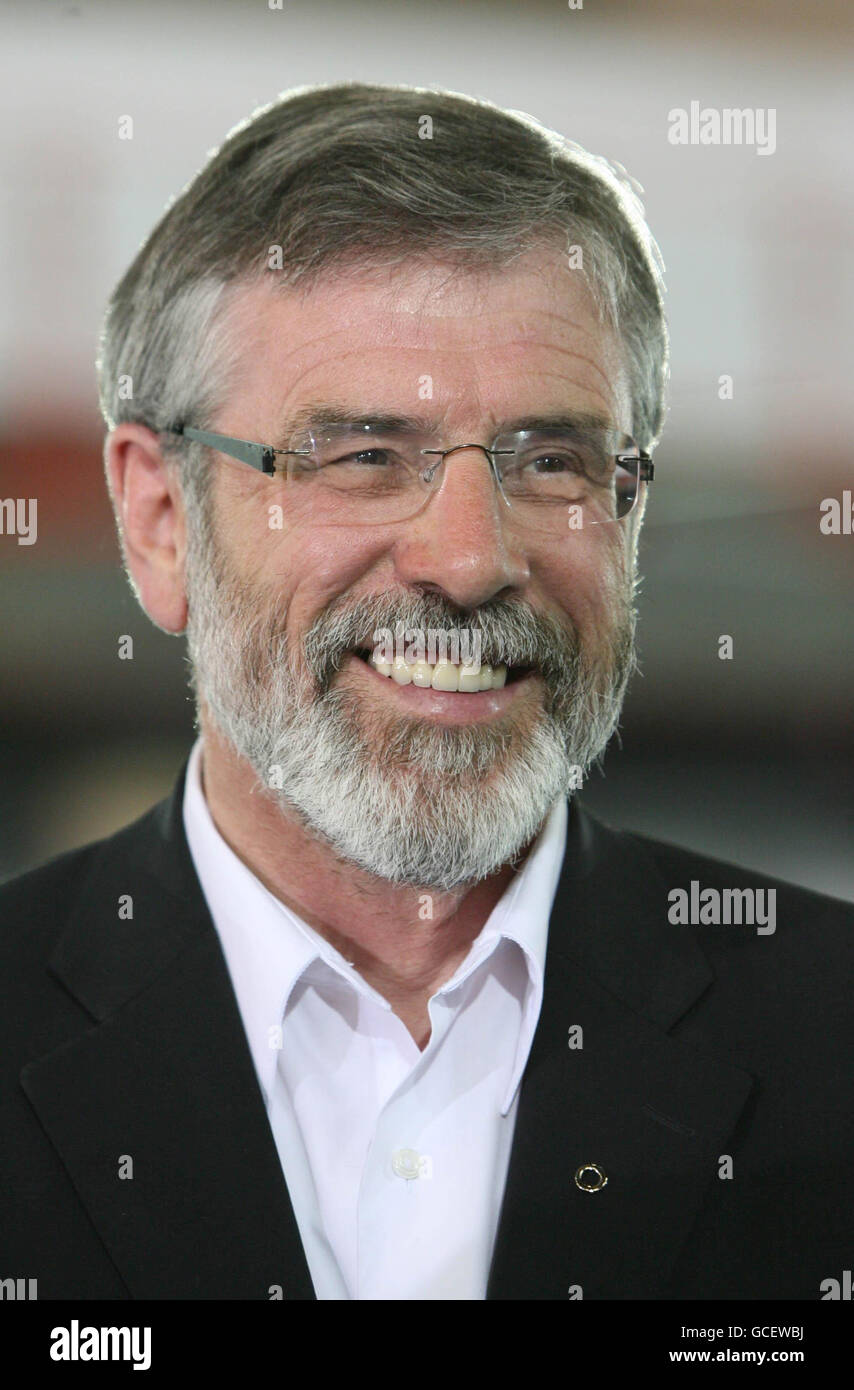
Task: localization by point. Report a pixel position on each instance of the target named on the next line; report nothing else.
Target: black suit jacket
(123, 1038)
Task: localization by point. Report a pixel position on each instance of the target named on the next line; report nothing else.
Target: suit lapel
(652, 1112)
(165, 1079)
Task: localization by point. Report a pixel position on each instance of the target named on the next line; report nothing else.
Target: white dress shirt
(395, 1159)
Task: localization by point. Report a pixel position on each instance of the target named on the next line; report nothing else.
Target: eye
(365, 459)
(556, 463)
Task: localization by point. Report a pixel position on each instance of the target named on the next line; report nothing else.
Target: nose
(463, 542)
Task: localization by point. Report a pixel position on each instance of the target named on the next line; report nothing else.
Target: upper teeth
(445, 675)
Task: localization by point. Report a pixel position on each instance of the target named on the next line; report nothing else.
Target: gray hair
(343, 174)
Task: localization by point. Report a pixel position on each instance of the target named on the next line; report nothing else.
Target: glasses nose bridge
(455, 449)
(443, 454)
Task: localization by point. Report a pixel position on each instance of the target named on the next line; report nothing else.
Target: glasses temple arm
(260, 456)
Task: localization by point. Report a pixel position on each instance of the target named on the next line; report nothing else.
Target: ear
(150, 516)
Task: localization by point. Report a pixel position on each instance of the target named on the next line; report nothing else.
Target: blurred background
(749, 758)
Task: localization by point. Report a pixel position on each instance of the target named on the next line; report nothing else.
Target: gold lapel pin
(590, 1178)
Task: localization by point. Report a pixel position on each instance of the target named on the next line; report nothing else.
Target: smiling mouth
(445, 676)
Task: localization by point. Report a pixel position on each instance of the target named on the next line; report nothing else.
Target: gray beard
(406, 800)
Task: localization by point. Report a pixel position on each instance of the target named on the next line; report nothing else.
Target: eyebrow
(315, 418)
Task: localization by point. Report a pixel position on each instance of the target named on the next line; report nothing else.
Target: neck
(405, 941)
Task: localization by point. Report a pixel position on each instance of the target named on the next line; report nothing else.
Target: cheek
(312, 566)
(589, 577)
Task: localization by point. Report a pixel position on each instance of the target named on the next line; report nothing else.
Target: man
(370, 1008)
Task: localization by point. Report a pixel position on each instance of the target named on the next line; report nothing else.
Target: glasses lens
(360, 475)
(569, 479)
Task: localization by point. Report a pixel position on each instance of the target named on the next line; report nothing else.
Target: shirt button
(406, 1163)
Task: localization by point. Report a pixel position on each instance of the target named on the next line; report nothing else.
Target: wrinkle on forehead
(413, 296)
(534, 305)
(460, 332)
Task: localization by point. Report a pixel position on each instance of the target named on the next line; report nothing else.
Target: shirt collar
(268, 947)
(522, 915)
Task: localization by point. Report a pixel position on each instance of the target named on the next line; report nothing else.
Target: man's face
(413, 784)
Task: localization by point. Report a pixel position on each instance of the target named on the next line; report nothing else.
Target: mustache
(509, 632)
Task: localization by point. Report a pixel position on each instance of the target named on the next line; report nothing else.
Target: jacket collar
(610, 919)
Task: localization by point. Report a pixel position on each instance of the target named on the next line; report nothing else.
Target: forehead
(470, 344)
